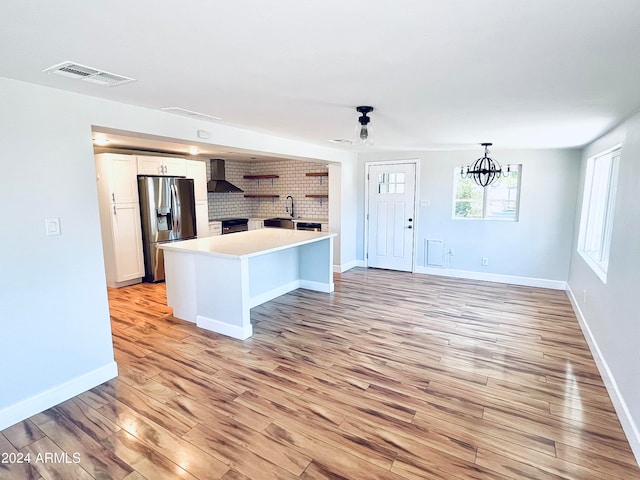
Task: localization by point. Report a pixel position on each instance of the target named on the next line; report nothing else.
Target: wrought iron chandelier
(484, 171)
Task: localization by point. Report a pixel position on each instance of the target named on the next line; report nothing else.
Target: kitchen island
(215, 281)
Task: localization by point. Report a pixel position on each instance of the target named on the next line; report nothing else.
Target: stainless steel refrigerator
(168, 214)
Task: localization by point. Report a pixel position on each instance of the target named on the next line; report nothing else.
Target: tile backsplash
(292, 181)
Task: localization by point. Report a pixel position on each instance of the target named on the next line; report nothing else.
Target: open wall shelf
(261, 197)
(262, 177)
(320, 197)
(318, 175)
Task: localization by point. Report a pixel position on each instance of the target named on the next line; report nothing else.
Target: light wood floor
(393, 376)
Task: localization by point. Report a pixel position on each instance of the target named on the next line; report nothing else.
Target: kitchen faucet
(287, 206)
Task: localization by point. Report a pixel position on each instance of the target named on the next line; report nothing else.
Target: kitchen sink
(279, 223)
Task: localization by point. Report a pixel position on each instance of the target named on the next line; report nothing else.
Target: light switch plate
(53, 226)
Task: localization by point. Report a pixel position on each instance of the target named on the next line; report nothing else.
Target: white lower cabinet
(215, 228)
(255, 224)
(127, 243)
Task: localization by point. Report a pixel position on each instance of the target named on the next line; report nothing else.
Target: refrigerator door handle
(175, 210)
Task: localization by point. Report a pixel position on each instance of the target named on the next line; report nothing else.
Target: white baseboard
(346, 266)
(233, 331)
(19, 411)
(126, 283)
(317, 286)
(624, 415)
(494, 277)
(271, 294)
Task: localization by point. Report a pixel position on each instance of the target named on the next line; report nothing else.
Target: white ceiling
(439, 73)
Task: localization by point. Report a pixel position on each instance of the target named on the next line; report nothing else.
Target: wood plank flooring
(393, 376)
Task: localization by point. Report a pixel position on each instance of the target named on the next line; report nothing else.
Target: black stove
(233, 224)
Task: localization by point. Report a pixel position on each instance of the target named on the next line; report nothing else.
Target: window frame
(598, 260)
(486, 198)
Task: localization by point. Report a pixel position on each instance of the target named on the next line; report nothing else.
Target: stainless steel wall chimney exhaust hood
(218, 182)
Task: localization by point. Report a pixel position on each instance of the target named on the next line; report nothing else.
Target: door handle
(409, 226)
(176, 209)
(411, 219)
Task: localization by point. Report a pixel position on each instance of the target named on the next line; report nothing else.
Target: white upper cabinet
(197, 170)
(117, 174)
(169, 166)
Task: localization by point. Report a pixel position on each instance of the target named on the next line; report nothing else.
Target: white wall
(343, 201)
(55, 325)
(609, 312)
(56, 338)
(535, 250)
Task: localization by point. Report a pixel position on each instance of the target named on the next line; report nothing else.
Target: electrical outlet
(485, 261)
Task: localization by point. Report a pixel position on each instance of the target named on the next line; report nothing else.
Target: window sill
(487, 219)
(595, 266)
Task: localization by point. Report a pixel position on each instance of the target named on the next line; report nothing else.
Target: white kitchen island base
(215, 281)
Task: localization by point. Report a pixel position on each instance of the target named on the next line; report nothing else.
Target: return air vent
(88, 74)
(190, 113)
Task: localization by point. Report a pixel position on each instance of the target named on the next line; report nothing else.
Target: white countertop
(310, 220)
(247, 244)
(313, 220)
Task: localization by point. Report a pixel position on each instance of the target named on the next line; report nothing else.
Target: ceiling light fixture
(363, 130)
(484, 171)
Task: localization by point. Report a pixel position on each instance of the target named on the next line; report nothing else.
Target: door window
(391, 182)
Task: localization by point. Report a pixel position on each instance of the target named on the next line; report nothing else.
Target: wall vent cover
(190, 113)
(88, 74)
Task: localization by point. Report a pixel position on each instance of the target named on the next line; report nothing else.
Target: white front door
(391, 216)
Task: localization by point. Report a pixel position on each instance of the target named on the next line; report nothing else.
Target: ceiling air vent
(190, 113)
(88, 74)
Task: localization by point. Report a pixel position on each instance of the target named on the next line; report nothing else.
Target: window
(596, 222)
(391, 182)
(498, 201)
